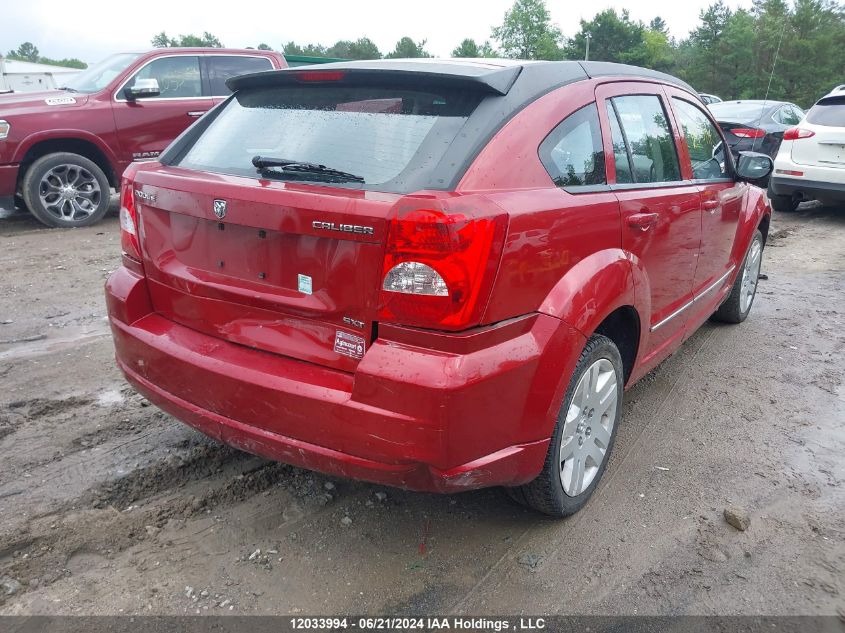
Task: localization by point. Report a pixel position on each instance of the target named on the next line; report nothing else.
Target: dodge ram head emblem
(220, 208)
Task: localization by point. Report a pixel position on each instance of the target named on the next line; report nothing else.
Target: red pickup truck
(63, 150)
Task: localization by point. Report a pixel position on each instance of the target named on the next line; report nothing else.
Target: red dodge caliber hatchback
(438, 275)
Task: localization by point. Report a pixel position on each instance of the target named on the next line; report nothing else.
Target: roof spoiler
(497, 80)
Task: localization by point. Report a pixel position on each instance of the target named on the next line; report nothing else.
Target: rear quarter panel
(562, 255)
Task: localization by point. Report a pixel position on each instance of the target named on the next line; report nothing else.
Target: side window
(620, 149)
(177, 76)
(572, 152)
(706, 150)
(648, 140)
(221, 67)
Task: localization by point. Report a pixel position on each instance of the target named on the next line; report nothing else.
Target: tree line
(799, 45)
(792, 49)
(28, 52)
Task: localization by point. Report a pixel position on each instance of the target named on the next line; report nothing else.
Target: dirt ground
(108, 506)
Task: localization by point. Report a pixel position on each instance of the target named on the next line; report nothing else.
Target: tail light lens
(320, 75)
(440, 263)
(129, 221)
(794, 133)
(748, 132)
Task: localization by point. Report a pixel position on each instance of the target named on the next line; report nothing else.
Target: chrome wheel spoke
(601, 435)
(594, 452)
(573, 473)
(69, 192)
(567, 450)
(588, 426)
(750, 274)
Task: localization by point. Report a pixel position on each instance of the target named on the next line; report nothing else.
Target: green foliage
(205, 40)
(527, 32)
(362, 48)
(615, 38)
(406, 47)
(311, 50)
(732, 54)
(28, 52)
(469, 48)
(264, 47)
(729, 53)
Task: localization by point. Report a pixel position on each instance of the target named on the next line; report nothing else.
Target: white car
(810, 164)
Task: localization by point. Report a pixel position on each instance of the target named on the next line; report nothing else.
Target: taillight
(129, 221)
(748, 132)
(320, 75)
(794, 133)
(440, 262)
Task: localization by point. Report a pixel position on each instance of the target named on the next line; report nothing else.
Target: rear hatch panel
(825, 149)
(282, 271)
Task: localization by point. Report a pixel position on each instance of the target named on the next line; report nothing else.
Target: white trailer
(18, 76)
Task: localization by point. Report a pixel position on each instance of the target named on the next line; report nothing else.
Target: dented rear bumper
(423, 411)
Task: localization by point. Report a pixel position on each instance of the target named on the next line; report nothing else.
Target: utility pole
(588, 37)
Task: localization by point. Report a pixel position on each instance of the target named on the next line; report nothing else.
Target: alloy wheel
(750, 274)
(69, 192)
(588, 427)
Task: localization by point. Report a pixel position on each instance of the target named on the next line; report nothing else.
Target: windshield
(739, 112)
(98, 76)
(828, 112)
(373, 132)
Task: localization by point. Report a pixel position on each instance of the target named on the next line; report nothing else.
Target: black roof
(505, 87)
(496, 76)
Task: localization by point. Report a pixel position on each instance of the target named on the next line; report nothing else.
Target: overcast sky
(92, 29)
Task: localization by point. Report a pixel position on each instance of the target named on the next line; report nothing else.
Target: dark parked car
(438, 275)
(756, 126)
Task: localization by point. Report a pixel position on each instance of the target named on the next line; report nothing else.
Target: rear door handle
(711, 205)
(642, 221)
(196, 113)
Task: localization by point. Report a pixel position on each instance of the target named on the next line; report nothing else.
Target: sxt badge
(349, 345)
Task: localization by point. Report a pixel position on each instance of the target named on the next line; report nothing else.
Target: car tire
(737, 306)
(585, 432)
(785, 204)
(65, 190)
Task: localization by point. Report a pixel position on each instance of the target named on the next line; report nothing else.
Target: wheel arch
(765, 222)
(622, 326)
(756, 214)
(73, 143)
(599, 296)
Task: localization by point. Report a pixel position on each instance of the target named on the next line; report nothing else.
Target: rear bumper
(810, 188)
(469, 411)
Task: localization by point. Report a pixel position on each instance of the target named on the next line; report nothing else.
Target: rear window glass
(573, 153)
(221, 67)
(739, 112)
(375, 133)
(829, 112)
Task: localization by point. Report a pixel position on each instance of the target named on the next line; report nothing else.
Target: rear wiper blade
(264, 163)
(68, 89)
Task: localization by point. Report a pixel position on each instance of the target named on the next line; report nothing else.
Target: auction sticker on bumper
(349, 345)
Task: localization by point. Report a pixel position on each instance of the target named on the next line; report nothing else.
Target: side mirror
(142, 88)
(755, 168)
